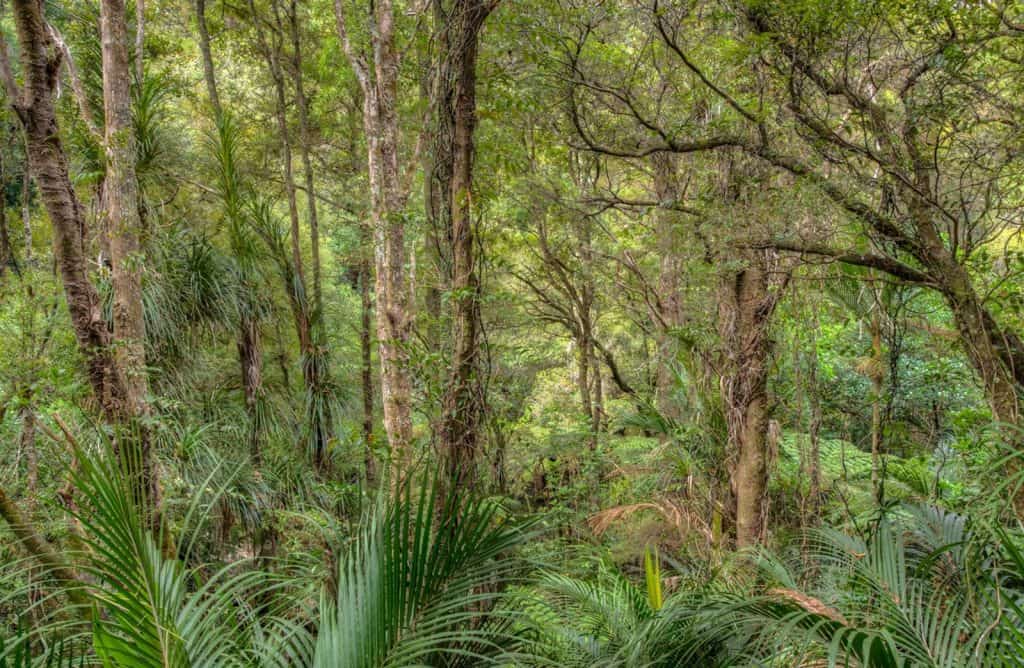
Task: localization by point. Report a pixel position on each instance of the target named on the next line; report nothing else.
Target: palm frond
(421, 584)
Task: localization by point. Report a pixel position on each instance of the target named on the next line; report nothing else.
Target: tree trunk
(249, 343)
(316, 365)
(207, 57)
(997, 355)
(7, 259)
(28, 446)
(814, 428)
(746, 305)
(121, 190)
(140, 40)
(585, 316)
(26, 206)
(597, 419)
(366, 355)
(314, 371)
(53, 562)
(379, 85)
(667, 191)
(877, 377)
(302, 106)
(250, 359)
(48, 164)
(463, 400)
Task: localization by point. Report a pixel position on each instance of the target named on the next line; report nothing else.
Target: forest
(513, 333)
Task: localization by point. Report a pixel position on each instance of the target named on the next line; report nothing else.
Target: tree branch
(356, 60)
(882, 263)
(30, 539)
(77, 88)
(10, 85)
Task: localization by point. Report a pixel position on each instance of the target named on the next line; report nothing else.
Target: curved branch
(882, 263)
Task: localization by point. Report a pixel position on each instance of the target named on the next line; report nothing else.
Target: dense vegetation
(516, 333)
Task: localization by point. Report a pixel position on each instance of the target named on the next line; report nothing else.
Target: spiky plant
(150, 609)
(921, 589)
(422, 584)
(608, 620)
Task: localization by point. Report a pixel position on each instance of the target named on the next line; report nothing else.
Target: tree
(33, 102)
(455, 103)
(124, 227)
(378, 81)
(306, 314)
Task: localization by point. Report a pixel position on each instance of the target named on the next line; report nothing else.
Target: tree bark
(379, 85)
(366, 368)
(746, 305)
(667, 191)
(209, 74)
(121, 190)
(7, 257)
(48, 163)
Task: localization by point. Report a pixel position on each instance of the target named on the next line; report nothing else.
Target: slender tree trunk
(249, 344)
(379, 85)
(583, 359)
(7, 259)
(140, 40)
(746, 304)
(250, 358)
(316, 365)
(28, 446)
(667, 191)
(876, 399)
(121, 191)
(499, 476)
(814, 428)
(463, 400)
(366, 355)
(302, 106)
(313, 371)
(594, 399)
(204, 50)
(48, 164)
(272, 53)
(436, 93)
(26, 206)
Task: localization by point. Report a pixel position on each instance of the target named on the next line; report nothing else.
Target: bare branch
(10, 85)
(356, 60)
(882, 263)
(76, 84)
